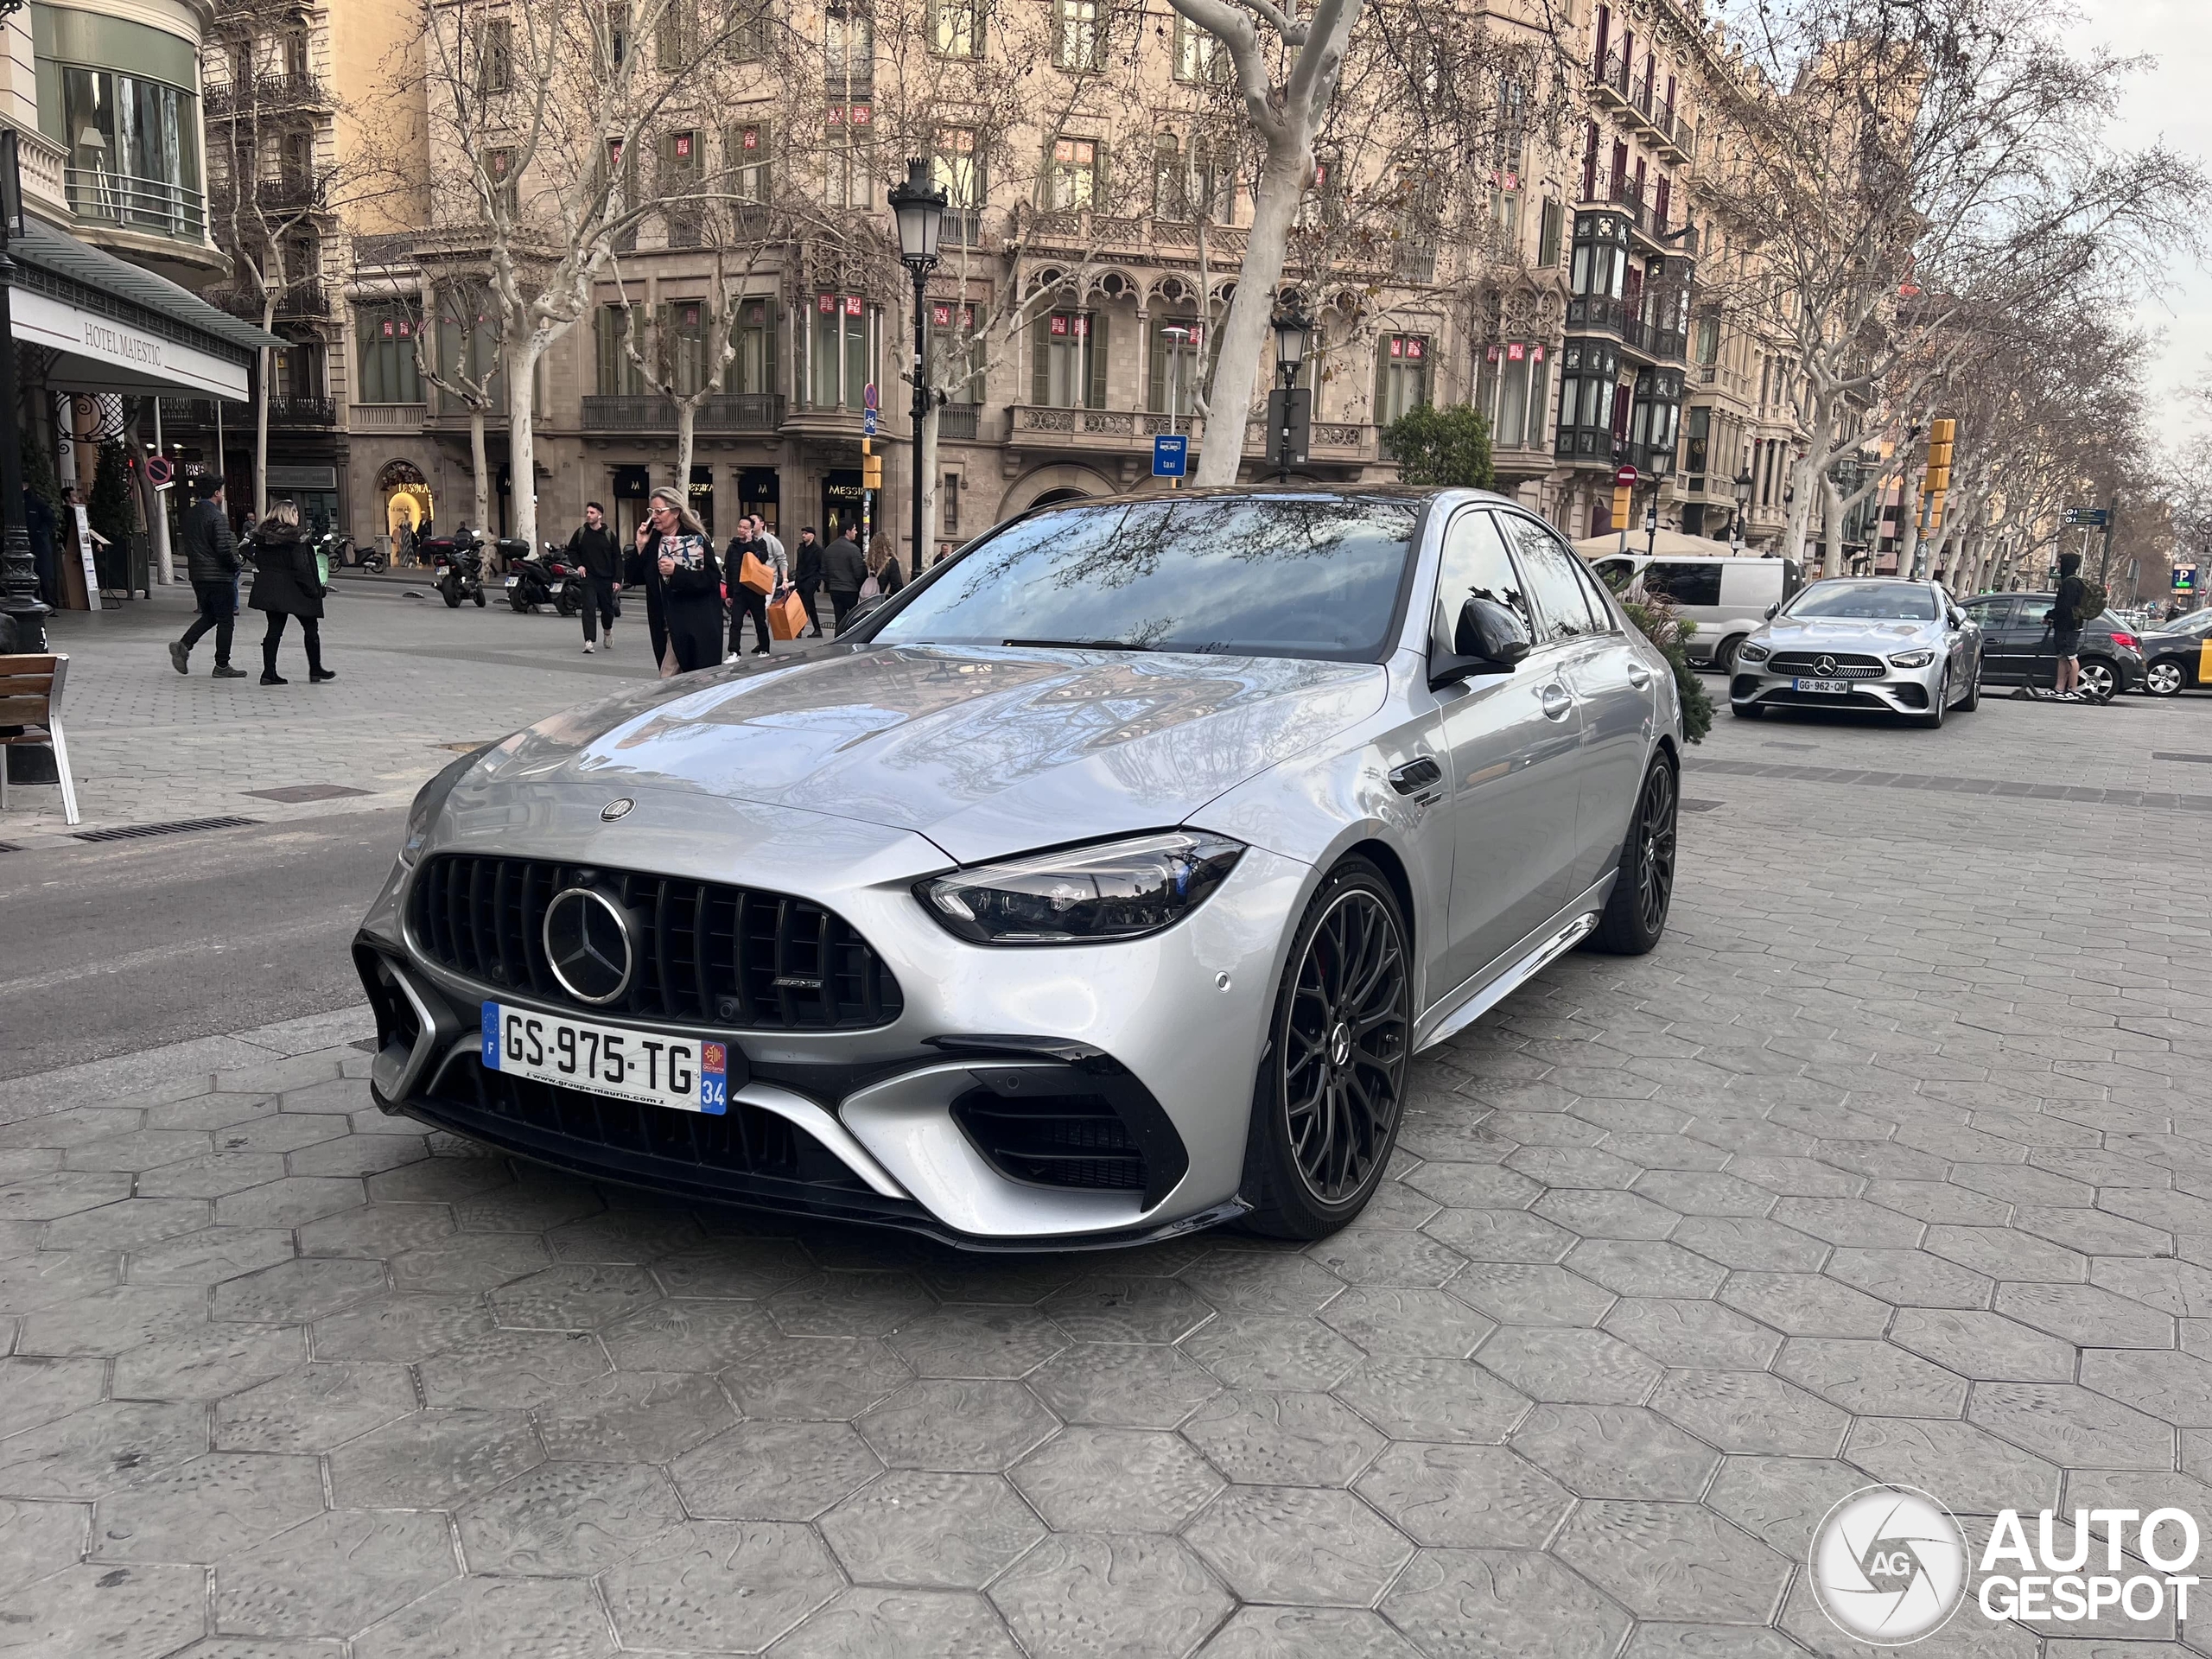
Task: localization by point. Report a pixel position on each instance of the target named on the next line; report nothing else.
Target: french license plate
(686, 1074)
(514, 581)
(1834, 687)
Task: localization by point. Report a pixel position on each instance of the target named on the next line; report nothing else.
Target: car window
(1601, 613)
(1475, 566)
(1547, 565)
(1684, 583)
(1616, 574)
(1990, 613)
(1315, 576)
(1877, 601)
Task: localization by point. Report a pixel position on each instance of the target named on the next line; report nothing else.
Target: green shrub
(1448, 447)
(1655, 617)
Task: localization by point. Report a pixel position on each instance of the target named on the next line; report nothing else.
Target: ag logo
(1889, 1565)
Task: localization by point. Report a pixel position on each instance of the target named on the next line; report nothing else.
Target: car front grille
(709, 954)
(1073, 1140)
(1847, 667)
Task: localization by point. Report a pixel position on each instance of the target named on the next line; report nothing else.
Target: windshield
(1267, 576)
(1880, 602)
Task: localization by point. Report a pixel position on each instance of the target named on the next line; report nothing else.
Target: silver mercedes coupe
(1099, 886)
(1883, 645)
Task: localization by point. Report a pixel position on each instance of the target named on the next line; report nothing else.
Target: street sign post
(1170, 457)
(1624, 498)
(2087, 517)
(867, 422)
(867, 398)
(161, 472)
(2184, 578)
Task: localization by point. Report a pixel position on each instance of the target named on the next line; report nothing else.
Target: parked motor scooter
(573, 595)
(457, 566)
(535, 579)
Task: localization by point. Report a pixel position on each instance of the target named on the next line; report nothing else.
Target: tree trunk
(261, 419)
(1909, 535)
(1236, 366)
(925, 480)
(687, 426)
(1804, 479)
(1831, 526)
(480, 457)
(522, 433)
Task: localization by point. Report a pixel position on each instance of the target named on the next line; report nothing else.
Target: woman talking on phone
(679, 566)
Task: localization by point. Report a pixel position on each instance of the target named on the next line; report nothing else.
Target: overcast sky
(2171, 102)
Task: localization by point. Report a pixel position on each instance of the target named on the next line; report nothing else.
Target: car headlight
(1083, 895)
(1912, 659)
(429, 801)
(1753, 651)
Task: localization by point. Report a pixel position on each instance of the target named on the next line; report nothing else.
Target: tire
(1643, 889)
(1339, 1044)
(565, 603)
(2165, 677)
(1972, 700)
(373, 563)
(451, 590)
(521, 605)
(479, 599)
(1933, 720)
(1725, 657)
(2100, 679)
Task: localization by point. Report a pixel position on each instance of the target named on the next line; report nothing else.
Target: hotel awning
(117, 327)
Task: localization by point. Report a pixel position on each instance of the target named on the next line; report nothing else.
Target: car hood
(984, 751)
(1848, 633)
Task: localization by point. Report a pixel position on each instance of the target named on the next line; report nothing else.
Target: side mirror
(1488, 639)
(1957, 621)
(1771, 611)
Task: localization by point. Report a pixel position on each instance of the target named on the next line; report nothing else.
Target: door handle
(1638, 675)
(1556, 701)
(1415, 775)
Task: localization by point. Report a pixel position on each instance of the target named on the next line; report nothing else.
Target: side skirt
(1455, 1011)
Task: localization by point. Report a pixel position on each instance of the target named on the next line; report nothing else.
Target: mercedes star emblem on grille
(1825, 667)
(618, 808)
(588, 939)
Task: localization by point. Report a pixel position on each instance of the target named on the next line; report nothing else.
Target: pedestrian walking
(806, 575)
(883, 574)
(640, 570)
(2070, 614)
(745, 599)
(844, 573)
(594, 548)
(677, 552)
(212, 565)
(285, 585)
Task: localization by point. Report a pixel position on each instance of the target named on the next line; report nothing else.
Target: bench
(30, 698)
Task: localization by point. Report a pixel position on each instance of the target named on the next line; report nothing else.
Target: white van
(1727, 598)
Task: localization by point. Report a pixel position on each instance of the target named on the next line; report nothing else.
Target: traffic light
(871, 472)
(1937, 479)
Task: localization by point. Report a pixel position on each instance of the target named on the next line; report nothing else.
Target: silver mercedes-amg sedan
(1881, 644)
(1098, 886)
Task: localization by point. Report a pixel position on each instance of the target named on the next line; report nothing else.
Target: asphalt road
(112, 948)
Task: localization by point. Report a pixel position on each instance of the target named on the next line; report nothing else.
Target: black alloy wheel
(1635, 911)
(1332, 1082)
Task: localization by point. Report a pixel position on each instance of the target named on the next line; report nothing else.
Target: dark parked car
(2173, 654)
(2017, 647)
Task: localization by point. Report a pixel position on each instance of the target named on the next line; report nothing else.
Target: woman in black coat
(681, 569)
(285, 583)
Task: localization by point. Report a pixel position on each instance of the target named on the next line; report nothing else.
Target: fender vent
(1070, 1140)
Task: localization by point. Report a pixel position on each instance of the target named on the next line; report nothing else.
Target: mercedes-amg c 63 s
(1100, 884)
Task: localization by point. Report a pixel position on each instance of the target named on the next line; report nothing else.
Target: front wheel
(373, 563)
(521, 605)
(1332, 1079)
(1939, 705)
(2100, 680)
(1635, 911)
(2164, 678)
(1972, 700)
(1725, 657)
(479, 599)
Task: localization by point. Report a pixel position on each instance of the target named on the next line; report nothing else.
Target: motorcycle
(543, 578)
(457, 566)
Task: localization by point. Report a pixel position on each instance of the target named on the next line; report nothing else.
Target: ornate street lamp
(22, 612)
(1743, 481)
(918, 206)
(1292, 328)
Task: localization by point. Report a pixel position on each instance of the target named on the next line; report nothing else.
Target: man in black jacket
(211, 560)
(806, 575)
(843, 571)
(594, 548)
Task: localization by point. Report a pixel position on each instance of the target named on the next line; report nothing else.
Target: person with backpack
(2079, 603)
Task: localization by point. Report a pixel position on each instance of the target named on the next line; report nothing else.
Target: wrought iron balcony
(739, 411)
(267, 95)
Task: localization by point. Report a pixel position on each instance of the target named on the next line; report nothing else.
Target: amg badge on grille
(796, 982)
(618, 808)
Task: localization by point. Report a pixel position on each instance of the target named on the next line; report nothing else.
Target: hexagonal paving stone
(213, 1176)
(1127, 1308)
(210, 1255)
(47, 1278)
(1976, 1472)
(115, 1320)
(472, 1262)
(810, 1378)
(1501, 1235)
(119, 1612)
(1525, 1294)
(957, 1427)
(1750, 1412)
(313, 1408)
(567, 1519)
(1267, 1350)
(1370, 1254)
(62, 1192)
(1622, 1452)
(645, 1416)
(376, 1229)
(535, 1201)
(747, 1268)
(338, 1572)
(486, 1618)
(401, 1324)
(1781, 1501)
(720, 1584)
(206, 1508)
(359, 1154)
(687, 1336)
(209, 1363)
(1584, 1366)
(298, 1290)
(1294, 1633)
(576, 1296)
(977, 1339)
(1606, 1213)
(1692, 1333)
(1865, 1377)
(1395, 1322)
(2086, 1316)
(1116, 1480)
(1646, 1267)
(1469, 1496)
(1127, 1385)
(941, 1531)
(867, 1620)
(2174, 1387)
(291, 1202)
(1490, 1603)
(849, 1304)
(1433, 1400)
(1089, 1593)
(1260, 1282)
(1805, 1304)
(1291, 1438)
(447, 1180)
(37, 1390)
(1674, 1560)
(36, 1539)
(1299, 1544)
(100, 1448)
(1910, 1278)
(773, 1472)
(434, 1459)
(1750, 1245)
(2073, 1426)
(1988, 1346)
(513, 1369)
